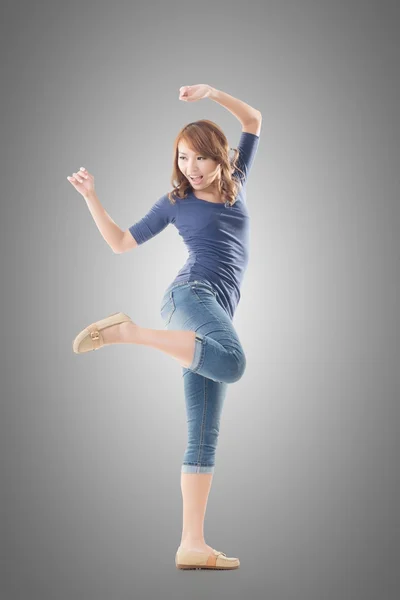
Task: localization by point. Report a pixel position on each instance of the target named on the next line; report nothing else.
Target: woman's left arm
(249, 117)
(242, 111)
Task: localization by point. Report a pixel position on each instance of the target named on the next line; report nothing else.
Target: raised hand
(191, 93)
(82, 181)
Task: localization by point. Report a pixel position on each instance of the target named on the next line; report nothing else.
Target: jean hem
(199, 350)
(197, 468)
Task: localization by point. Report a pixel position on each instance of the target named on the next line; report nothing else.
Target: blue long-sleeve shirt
(216, 235)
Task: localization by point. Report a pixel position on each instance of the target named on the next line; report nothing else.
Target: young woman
(208, 207)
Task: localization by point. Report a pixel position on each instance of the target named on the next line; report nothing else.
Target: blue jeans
(218, 359)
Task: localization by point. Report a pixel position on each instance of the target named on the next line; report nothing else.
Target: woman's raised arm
(242, 111)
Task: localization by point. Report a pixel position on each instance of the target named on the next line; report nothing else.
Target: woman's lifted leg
(177, 344)
(220, 359)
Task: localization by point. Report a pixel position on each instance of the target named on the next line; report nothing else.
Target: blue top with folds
(216, 235)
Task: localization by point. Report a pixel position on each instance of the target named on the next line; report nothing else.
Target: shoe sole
(198, 567)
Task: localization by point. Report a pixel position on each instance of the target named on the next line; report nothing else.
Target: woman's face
(193, 164)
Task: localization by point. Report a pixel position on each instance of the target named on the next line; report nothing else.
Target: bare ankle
(191, 544)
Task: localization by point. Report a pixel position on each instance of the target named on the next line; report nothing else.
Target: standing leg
(190, 309)
(204, 400)
(195, 489)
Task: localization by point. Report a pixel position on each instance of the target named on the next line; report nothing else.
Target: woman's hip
(193, 305)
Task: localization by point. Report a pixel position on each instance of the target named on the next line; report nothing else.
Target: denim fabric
(218, 359)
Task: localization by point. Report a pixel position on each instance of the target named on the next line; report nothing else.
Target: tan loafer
(90, 338)
(191, 559)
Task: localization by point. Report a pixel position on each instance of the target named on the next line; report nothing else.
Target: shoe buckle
(94, 335)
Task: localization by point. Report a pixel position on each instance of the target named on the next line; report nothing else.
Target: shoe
(191, 559)
(90, 338)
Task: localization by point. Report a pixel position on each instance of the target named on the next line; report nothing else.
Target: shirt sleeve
(248, 146)
(159, 216)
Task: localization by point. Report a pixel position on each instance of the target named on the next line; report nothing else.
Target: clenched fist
(82, 181)
(191, 93)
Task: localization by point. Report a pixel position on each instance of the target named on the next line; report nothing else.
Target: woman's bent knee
(238, 368)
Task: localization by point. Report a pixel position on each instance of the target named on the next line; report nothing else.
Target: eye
(203, 157)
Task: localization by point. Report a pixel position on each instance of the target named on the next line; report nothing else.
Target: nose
(193, 171)
(192, 163)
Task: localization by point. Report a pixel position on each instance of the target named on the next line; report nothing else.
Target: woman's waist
(188, 282)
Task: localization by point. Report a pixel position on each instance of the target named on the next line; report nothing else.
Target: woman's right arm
(113, 235)
(117, 239)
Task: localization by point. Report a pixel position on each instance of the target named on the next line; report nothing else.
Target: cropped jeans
(218, 360)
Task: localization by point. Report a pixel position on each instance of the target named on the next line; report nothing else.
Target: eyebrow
(185, 153)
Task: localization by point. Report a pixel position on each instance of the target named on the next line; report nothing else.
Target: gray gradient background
(306, 487)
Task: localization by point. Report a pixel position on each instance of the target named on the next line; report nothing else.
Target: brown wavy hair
(208, 139)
